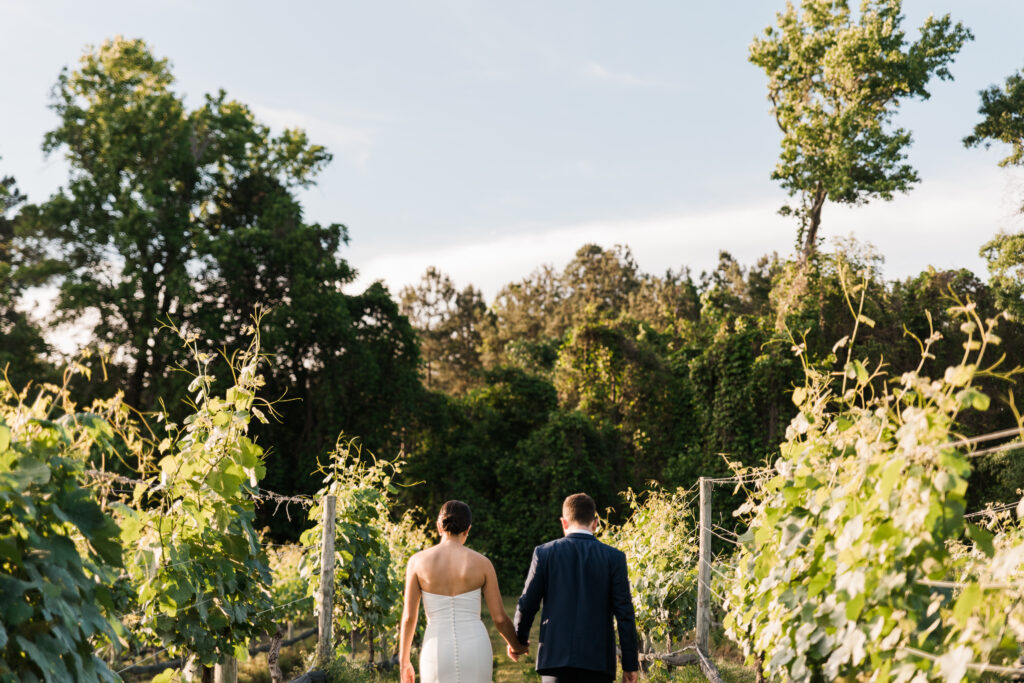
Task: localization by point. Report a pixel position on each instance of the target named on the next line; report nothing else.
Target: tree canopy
(835, 80)
(182, 216)
(1003, 112)
(23, 263)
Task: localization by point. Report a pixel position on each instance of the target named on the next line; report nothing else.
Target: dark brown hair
(455, 517)
(579, 508)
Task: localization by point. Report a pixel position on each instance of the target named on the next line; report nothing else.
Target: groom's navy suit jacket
(583, 585)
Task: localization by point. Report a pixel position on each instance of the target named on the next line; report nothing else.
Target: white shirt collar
(579, 530)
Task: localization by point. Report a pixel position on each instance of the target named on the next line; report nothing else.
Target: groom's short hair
(579, 508)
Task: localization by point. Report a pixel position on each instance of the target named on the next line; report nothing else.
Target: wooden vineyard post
(704, 586)
(226, 671)
(194, 672)
(704, 568)
(325, 596)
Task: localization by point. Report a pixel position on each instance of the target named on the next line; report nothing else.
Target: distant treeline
(600, 377)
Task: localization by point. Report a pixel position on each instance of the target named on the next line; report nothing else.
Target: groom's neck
(578, 530)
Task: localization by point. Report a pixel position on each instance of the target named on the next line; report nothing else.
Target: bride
(451, 578)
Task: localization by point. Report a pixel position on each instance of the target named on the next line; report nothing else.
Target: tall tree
(22, 264)
(140, 204)
(448, 323)
(532, 317)
(668, 302)
(343, 363)
(733, 290)
(598, 282)
(191, 215)
(528, 321)
(835, 80)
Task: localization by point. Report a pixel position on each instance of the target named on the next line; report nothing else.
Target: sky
(489, 138)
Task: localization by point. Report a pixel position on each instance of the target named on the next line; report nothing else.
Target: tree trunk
(133, 394)
(813, 219)
(275, 653)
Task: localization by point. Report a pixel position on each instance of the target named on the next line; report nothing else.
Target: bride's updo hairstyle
(454, 517)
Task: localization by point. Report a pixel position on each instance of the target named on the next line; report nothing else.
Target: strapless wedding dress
(456, 646)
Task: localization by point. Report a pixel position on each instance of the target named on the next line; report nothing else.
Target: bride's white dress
(456, 646)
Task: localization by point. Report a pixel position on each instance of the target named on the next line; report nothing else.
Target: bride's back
(450, 569)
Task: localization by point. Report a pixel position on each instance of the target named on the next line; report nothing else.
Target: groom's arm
(529, 601)
(622, 608)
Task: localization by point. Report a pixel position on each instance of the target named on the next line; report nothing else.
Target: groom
(583, 584)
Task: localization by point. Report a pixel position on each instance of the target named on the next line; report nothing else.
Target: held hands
(630, 676)
(408, 673)
(514, 653)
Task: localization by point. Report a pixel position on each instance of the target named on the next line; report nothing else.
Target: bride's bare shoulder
(421, 555)
(478, 557)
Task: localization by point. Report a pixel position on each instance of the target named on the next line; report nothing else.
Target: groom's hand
(630, 676)
(515, 654)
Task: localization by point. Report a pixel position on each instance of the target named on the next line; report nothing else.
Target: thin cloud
(600, 73)
(940, 224)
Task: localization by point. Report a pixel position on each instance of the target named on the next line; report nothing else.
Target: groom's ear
(565, 523)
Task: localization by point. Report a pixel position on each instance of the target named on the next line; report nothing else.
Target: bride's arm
(410, 612)
(492, 595)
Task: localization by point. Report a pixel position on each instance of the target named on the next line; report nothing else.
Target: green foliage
(835, 80)
(288, 588)
(661, 546)
(367, 578)
(564, 455)
(596, 285)
(344, 671)
(353, 369)
(1003, 112)
(191, 213)
(149, 180)
(512, 455)
(1005, 256)
(618, 373)
(195, 560)
(665, 399)
(448, 323)
(22, 264)
(852, 532)
(59, 549)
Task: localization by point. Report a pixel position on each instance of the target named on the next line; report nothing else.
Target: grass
(254, 669)
(504, 668)
(292, 662)
(726, 656)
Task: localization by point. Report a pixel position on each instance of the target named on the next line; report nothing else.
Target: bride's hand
(408, 673)
(515, 651)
